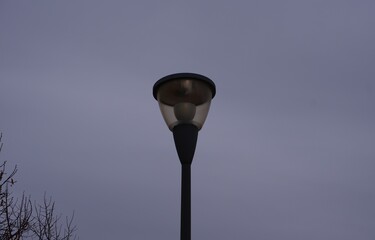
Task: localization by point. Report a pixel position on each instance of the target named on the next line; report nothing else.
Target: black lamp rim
(175, 76)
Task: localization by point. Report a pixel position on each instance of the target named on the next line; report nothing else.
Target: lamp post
(184, 100)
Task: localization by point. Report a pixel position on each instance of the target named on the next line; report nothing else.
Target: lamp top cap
(175, 76)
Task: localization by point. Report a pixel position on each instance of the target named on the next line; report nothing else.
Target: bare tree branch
(17, 221)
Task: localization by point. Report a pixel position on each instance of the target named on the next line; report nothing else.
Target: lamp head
(184, 98)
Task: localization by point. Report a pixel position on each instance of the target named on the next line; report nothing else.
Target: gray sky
(287, 151)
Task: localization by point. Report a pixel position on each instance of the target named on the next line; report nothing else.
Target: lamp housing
(184, 98)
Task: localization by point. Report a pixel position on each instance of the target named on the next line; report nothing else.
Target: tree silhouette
(21, 219)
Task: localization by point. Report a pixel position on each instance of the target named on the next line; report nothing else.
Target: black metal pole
(185, 231)
(185, 138)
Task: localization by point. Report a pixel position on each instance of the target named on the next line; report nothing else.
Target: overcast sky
(287, 151)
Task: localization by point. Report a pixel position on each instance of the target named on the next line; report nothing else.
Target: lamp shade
(184, 98)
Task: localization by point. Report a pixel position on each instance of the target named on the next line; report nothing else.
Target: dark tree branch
(17, 221)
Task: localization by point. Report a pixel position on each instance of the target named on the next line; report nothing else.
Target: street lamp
(184, 100)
